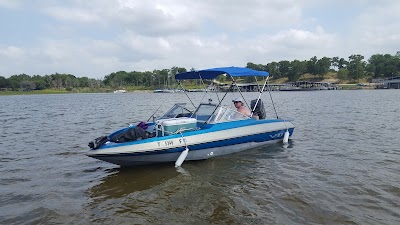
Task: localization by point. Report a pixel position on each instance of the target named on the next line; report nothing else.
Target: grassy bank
(75, 90)
(34, 92)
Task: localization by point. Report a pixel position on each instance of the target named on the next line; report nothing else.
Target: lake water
(342, 165)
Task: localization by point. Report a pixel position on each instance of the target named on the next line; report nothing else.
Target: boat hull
(216, 140)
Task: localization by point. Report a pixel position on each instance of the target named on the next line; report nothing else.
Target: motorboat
(165, 90)
(120, 91)
(182, 134)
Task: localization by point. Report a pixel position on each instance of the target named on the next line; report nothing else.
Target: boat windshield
(178, 110)
(222, 114)
(225, 114)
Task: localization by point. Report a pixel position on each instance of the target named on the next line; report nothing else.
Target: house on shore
(392, 83)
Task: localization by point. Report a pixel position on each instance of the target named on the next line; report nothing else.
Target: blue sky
(94, 38)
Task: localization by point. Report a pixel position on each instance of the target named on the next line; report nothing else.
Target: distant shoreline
(47, 91)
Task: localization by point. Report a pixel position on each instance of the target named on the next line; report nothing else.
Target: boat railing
(179, 131)
(182, 130)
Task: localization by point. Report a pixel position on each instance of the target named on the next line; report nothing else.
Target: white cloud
(251, 14)
(156, 18)
(149, 18)
(379, 22)
(12, 52)
(71, 14)
(303, 39)
(376, 30)
(14, 4)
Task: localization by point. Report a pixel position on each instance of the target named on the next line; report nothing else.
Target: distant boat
(196, 90)
(164, 91)
(120, 91)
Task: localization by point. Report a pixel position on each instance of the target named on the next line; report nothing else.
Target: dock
(290, 86)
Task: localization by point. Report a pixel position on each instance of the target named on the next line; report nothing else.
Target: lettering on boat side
(182, 141)
(278, 135)
(165, 143)
(170, 142)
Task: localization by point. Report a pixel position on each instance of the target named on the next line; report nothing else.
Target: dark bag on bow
(130, 134)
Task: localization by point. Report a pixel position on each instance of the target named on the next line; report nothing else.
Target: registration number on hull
(170, 142)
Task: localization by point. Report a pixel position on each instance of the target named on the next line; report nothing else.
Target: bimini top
(215, 72)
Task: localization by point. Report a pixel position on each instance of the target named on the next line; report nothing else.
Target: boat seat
(183, 115)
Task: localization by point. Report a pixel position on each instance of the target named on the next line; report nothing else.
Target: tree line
(354, 68)
(53, 81)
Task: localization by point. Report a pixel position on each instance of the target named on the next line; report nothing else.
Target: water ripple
(341, 167)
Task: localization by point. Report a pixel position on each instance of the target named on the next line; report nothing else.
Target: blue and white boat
(211, 130)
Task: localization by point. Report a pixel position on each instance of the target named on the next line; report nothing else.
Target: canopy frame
(232, 72)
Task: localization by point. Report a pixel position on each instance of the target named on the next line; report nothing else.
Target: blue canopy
(215, 72)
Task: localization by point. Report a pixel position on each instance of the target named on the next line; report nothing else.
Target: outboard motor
(259, 110)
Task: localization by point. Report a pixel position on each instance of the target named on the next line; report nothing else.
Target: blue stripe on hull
(207, 128)
(263, 137)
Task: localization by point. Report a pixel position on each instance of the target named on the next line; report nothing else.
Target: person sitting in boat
(238, 102)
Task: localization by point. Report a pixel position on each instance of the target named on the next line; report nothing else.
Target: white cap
(237, 100)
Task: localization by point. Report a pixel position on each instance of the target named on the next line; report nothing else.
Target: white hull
(202, 145)
(192, 155)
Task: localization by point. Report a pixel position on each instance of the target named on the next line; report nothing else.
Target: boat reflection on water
(221, 190)
(128, 180)
(125, 181)
(137, 195)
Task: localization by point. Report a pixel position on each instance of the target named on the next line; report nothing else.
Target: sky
(94, 38)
